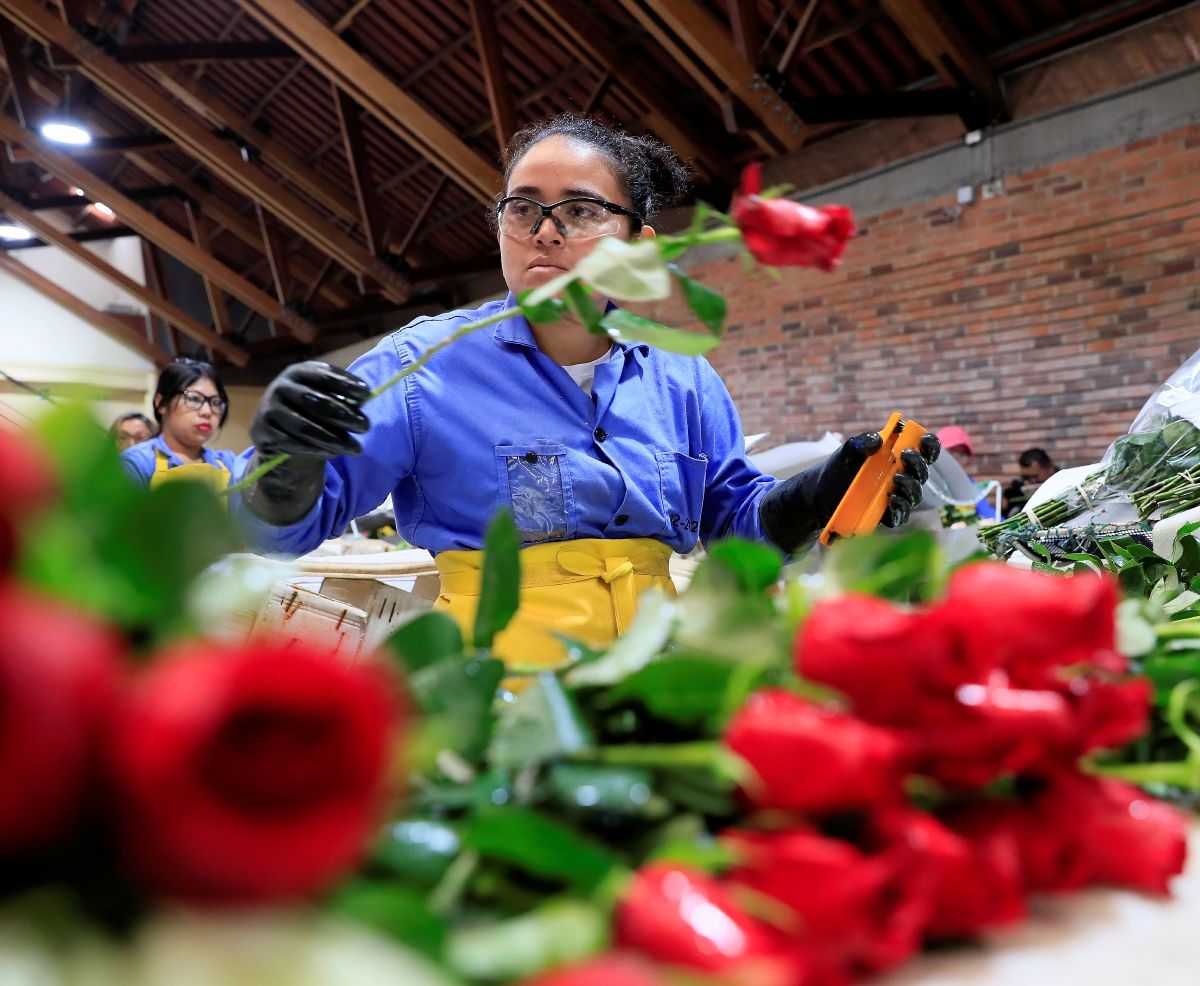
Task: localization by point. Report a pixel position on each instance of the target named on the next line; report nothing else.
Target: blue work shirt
(140, 460)
(493, 422)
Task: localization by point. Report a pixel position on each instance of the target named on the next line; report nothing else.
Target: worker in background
(957, 442)
(1036, 467)
(190, 406)
(131, 428)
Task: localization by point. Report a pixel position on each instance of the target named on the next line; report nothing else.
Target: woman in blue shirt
(190, 406)
(610, 455)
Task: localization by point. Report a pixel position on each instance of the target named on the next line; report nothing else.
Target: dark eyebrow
(533, 191)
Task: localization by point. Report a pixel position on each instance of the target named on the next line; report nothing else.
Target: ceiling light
(11, 231)
(65, 132)
(102, 210)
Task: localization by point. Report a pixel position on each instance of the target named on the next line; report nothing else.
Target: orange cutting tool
(866, 500)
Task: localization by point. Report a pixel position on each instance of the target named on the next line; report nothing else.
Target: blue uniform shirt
(492, 422)
(140, 460)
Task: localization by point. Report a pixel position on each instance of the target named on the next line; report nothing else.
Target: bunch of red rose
(220, 773)
(984, 701)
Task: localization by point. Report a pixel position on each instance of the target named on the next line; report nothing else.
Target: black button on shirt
(531, 457)
(600, 434)
(621, 519)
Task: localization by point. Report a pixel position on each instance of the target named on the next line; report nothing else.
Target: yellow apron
(585, 589)
(215, 474)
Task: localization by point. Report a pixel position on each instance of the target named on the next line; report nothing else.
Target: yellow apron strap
(214, 473)
(617, 573)
(586, 590)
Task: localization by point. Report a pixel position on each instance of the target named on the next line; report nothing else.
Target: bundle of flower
(1152, 474)
(719, 796)
(208, 774)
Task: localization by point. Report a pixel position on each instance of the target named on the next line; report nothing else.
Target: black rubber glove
(311, 411)
(794, 511)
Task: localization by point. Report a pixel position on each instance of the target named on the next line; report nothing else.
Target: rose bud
(784, 233)
(808, 758)
(250, 772)
(58, 680)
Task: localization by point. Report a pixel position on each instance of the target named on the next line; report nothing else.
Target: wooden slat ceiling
(424, 87)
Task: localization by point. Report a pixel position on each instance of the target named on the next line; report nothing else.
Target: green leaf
(755, 565)
(550, 310)
(541, 723)
(559, 932)
(455, 699)
(724, 614)
(396, 910)
(649, 633)
(706, 304)
(627, 270)
(536, 298)
(417, 850)
(113, 547)
(905, 569)
(580, 302)
(500, 583)
(539, 845)
(624, 326)
(429, 638)
(685, 690)
(609, 790)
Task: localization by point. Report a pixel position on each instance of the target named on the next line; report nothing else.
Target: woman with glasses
(610, 455)
(190, 406)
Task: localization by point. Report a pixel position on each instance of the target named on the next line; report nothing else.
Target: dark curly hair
(649, 171)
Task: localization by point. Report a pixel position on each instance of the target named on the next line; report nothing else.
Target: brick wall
(1044, 316)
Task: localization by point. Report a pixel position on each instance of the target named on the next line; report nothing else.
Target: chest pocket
(536, 482)
(681, 482)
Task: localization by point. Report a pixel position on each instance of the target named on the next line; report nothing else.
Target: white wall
(51, 349)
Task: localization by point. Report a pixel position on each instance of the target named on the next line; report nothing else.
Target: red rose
(58, 680)
(985, 731)
(807, 758)
(977, 878)
(860, 909)
(787, 234)
(1081, 830)
(1034, 624)
(886, 659)
(26, 481)
(684, 917)
(614, 969)
(1109, 715)
(250, 772)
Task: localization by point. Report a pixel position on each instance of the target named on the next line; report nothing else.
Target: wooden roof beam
(217, 208)
(939, 41)
(661, 114)
(136, 94)
(218, 308)
(104, 322)
(156, 303)
(151, 52)
(349, 115)
(227, 217)
(83, 236)
(270, 150)
(273, 253)
(491, 54)
(63, 167)
(709, 44)
(377, 92)
(747, 30)
(12, 44)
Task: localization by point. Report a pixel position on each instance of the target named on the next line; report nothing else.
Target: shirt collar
(160, 445)
(515, 330)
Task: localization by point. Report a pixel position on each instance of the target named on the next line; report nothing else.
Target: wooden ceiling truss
(327, 161)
